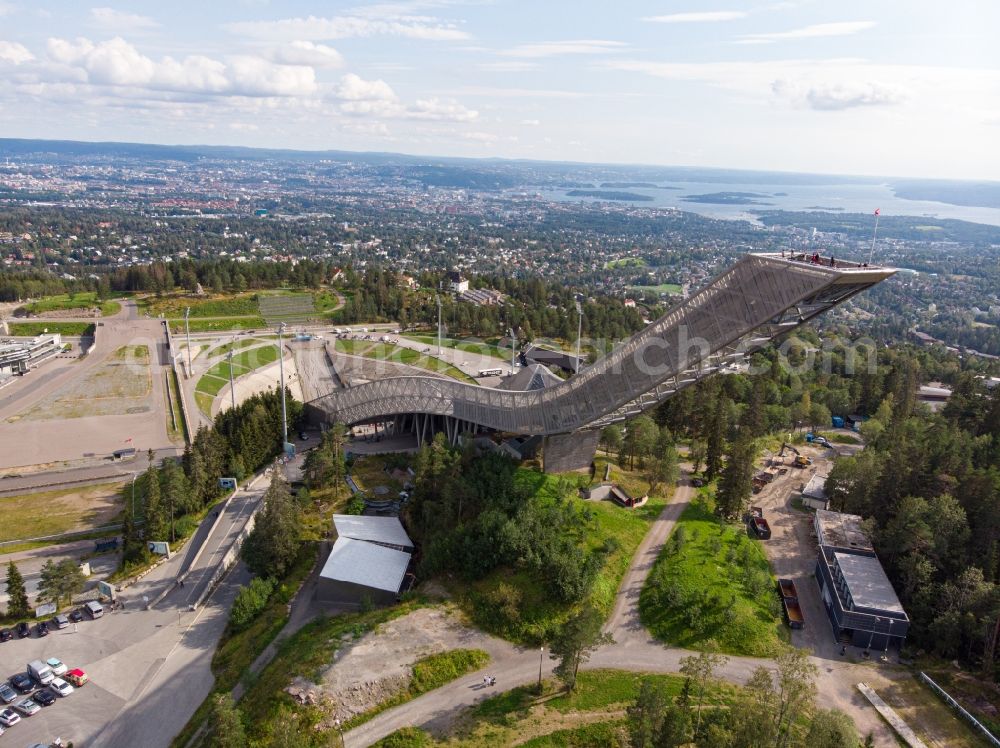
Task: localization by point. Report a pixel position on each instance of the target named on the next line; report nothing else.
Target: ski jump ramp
(759, 297)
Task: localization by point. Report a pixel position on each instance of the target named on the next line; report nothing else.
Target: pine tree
(735, 484)
(17, 596)
(227, 723)
(155, 511)
(716, 440)
(274, 542)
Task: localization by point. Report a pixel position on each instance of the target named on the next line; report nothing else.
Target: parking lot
(77, 646)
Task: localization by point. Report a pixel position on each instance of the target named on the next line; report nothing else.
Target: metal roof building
(860, 601)
(368, 561)
(384, 531)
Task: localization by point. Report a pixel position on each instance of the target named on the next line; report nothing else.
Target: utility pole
(232, 387)
(133, 496)
(187, 329)
(281, 369)
(439, 324)
(513, 348)
(579, 334)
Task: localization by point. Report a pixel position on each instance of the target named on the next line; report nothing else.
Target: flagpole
(871, 253)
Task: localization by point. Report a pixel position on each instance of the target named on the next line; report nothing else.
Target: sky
(875, 87)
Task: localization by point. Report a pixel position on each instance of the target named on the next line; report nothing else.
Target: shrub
(250, 601)
(405, 737)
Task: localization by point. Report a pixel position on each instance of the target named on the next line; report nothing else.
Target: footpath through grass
(516, 604)
(595, 712)
(712, 581)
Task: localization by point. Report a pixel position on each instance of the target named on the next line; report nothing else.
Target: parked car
(23, 683)
(6, 635)
(7, 693)
(27, 707)
(42, 629)
(23, 630)
(697, 482)
(59, 622)
(77, 677)
(45, 697)
(61, 687)
(9, 717)
(76, 616)
(57, 665)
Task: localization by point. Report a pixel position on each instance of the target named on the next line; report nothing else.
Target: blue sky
(890, 88)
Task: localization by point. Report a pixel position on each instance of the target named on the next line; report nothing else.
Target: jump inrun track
(761, 296)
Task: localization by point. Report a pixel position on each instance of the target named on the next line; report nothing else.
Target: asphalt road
(149, 669)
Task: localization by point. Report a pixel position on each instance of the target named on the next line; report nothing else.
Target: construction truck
(800, 460)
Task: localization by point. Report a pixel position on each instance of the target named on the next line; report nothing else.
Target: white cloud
(109, 19)
(699, 16)
(508, 66)
(568, 47)
(531, 122)
(355, 88)
(436, 109)
(116, 62)
(842, 28)
(7, 8)
(838, 96)
(347, 26)
(513, 93)
(14, 53)
(302, 52)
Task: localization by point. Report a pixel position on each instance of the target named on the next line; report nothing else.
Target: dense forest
(927, 484)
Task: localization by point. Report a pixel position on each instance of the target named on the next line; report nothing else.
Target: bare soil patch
(52, 512)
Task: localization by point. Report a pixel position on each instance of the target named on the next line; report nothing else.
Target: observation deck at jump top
(761, 296)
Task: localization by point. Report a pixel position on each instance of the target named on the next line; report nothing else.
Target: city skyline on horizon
(786, 86)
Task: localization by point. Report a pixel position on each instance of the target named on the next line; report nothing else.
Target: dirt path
(624, 624)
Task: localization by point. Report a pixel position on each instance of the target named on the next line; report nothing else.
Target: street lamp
(281, 373)
(439, 323)
(871, 636)
(541, 654)
(513, 348)
(885, 652)
(134, 475)
(187, 330)
(232, 387)
(579, 333)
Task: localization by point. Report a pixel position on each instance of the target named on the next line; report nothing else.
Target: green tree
(273, 544)
(156, 513)
(60, 580)
(640, 439)
(831, 728)
(17, 596)
(735, 484)
(611, 439)
(796, 689)
(227, 729)
(716, 441)
(575, 641)
(701, 669)
(663, 468)
(645, 716)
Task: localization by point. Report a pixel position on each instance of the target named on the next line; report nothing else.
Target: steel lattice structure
(740, 310)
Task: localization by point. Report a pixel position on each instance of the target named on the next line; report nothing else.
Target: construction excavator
(800, 461)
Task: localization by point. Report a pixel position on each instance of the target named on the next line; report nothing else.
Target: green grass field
(539, 614)
(238, 345)
(218, 325)
(63, 328)
(84, 300)
(212, 381)
(664, 288)
(398, 354)
(712, 581)
(483, 349)
(625, 262)
(53, 512)
(172, 307)
(522, 717)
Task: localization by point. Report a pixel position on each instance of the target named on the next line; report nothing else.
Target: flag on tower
(878, 211)
(128, 440)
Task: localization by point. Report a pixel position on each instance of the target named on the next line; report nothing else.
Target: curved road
(633, 649)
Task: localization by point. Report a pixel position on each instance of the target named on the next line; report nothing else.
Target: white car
(27, 707)
(57, 665)
(61, 687)
(9, 717)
